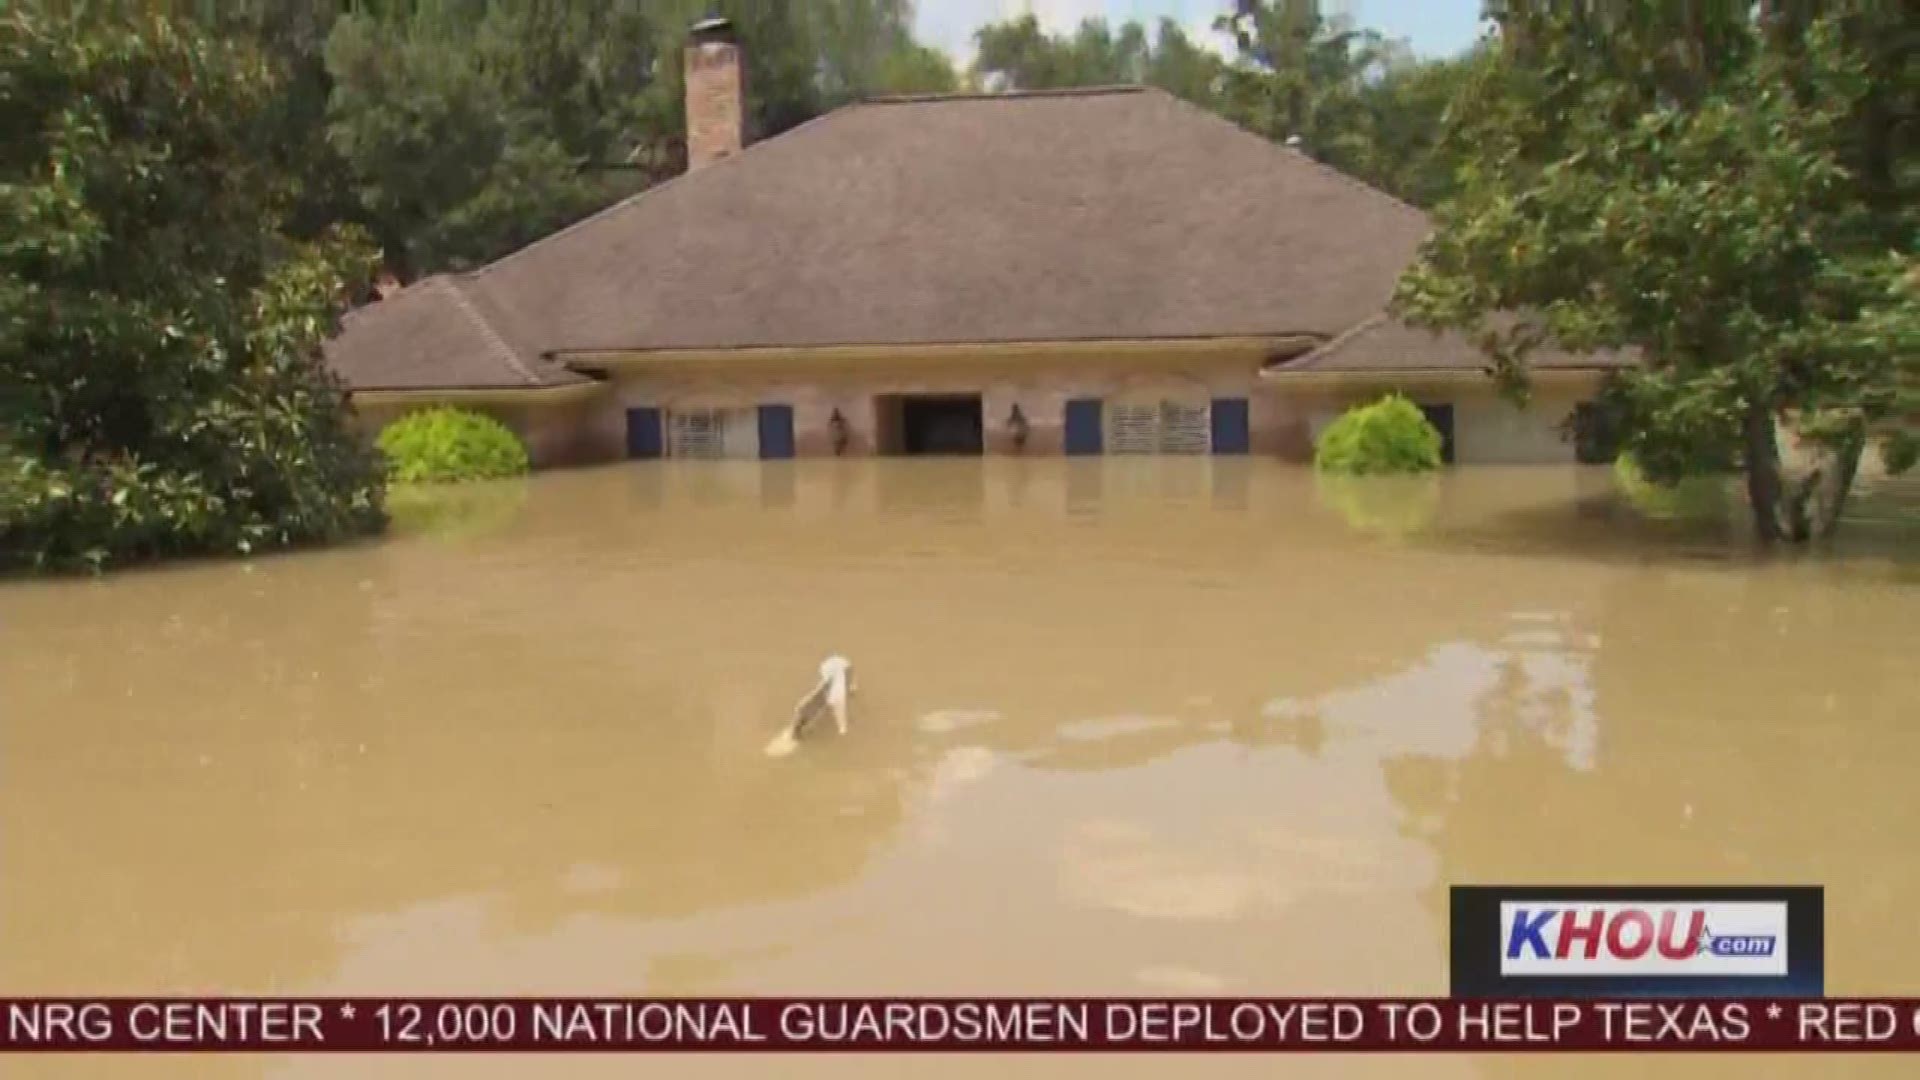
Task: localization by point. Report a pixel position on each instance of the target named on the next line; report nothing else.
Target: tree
(1019, 55)
(470, 129)
(1413, 149)
(292, 36)
(1301, 74)
(1184, 68)
(160, 385)
(804, 59)
(867, 47)
(1730, 192)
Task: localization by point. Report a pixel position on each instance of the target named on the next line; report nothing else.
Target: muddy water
(1123, 727)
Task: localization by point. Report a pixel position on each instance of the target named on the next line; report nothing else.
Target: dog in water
(829, 695)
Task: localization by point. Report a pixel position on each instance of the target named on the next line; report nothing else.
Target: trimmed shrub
(1391, 435)
(446, 443)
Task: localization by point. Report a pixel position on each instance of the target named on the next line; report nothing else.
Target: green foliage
(1687, 497)
(1391, 435)
(456, 131)
(446, 443)
(467, 128)
(467, 133)
(1019, 55)
(160, 387)
(1302, 74)
(1353, 98)
(1411, 145)
(867, 47)
(1900, 451)
(1726, 189)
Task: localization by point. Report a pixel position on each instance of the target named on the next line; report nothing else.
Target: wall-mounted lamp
(1018, 427)
(837, 426)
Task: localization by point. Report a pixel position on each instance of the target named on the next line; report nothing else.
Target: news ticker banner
(945, 1025)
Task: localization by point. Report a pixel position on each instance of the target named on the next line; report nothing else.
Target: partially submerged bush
(89, 514)
(1393, 507)
(1689, 497)
(456, 511)
(445, 443)
(1391, 435)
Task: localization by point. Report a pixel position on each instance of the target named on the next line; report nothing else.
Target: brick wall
(1040, 387)
(716, 100)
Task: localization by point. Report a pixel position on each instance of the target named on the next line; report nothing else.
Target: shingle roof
(1118, 213)
(432, 335)
(1383, 343)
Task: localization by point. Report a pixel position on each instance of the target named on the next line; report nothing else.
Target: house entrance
(931, 424)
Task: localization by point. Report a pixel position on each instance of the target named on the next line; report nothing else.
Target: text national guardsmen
(944, 1024)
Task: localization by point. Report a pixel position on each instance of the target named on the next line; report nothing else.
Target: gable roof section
(432, 335)
(1385, 344)
(1117, 213)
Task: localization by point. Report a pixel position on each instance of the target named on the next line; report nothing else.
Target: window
(713, 433)
(1133, 428)
(1165, 426)
(1183, 427)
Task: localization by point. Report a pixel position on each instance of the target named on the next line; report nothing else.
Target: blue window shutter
(776, 431)
(1083, 434)
(1231, 431)
(644, 439)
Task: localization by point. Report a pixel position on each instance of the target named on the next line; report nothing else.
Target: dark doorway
(1441, 417)
(941, 424)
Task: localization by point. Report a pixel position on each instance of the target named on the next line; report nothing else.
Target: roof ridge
(487, 330)
(1347, 177)
(1005, 95)
(1344, 177)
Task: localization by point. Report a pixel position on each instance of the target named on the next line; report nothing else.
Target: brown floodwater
(1124, 727)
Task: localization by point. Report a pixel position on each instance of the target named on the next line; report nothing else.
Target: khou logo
(1643, 937)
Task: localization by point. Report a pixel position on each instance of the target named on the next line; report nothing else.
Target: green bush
(1690, 497)
(1389, 436)
(445, 443)
(161, 390)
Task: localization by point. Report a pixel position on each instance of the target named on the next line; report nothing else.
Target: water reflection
(456, 511)
(1124, 727)
(1391, 507)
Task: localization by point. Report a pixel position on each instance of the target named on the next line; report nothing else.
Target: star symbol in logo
(346, 1011)
(1773, 1012)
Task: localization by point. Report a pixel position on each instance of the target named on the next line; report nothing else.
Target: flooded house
(1096, 271)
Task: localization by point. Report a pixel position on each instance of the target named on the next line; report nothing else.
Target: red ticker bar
(525, 1025)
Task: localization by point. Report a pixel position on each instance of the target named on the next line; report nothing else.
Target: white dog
(830, 694)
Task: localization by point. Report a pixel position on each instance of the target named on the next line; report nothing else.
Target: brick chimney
(716, 93)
